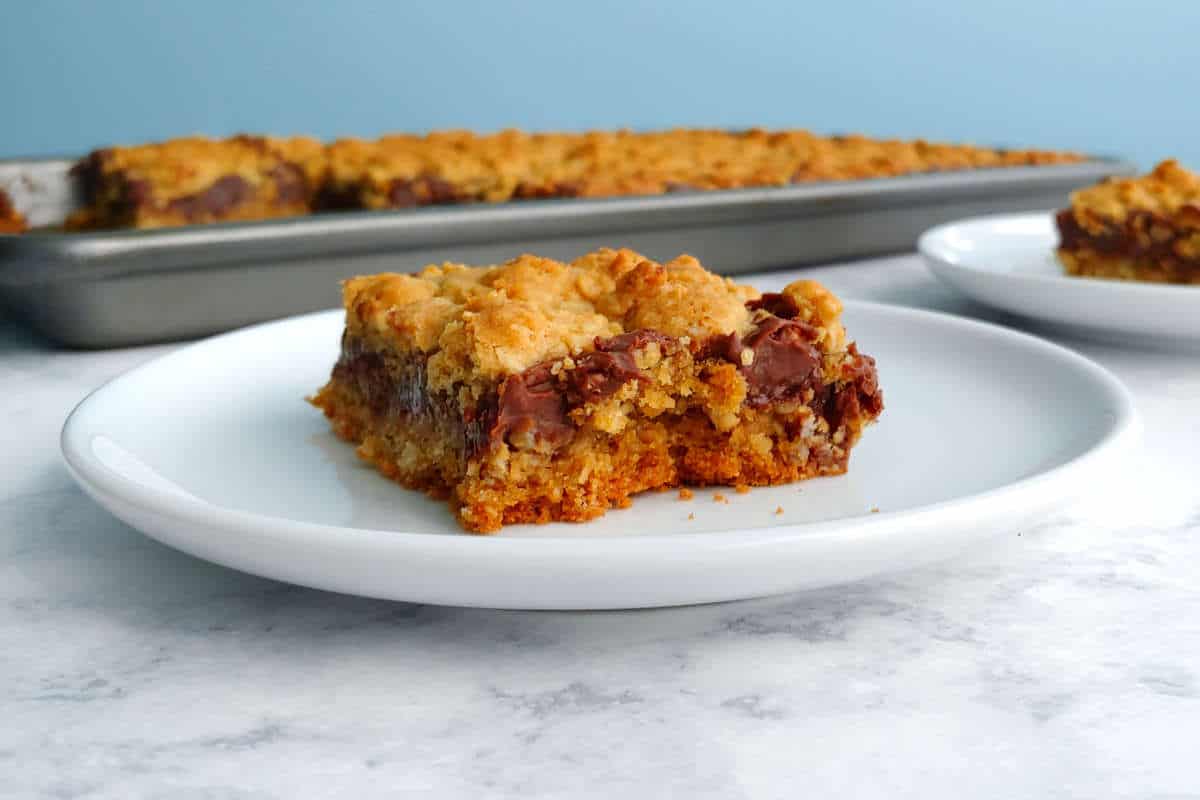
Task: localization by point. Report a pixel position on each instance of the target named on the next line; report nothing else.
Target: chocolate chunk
(441, 192)
(599, 374)
(724, 346)
(785, 362)
(423, 190)
(402, 195)
(291, 184)
(781, 305)
(635, 340)
(859, 392)
(533, 403)
(138, 192)
(224, 195)
(544, 191)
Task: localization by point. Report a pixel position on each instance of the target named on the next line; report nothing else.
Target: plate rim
(95, 477)
(937, 257)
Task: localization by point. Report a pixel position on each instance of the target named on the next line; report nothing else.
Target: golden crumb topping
(188, 165)
(197, 180)
(513, 164)
(476, 324)
(1169, 191)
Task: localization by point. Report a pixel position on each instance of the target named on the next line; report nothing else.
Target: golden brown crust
(536, 390)
(170, 183)
(1145, 228)
(11, 220)
(457, 166)
(1169, 190)
(1086, 263)
(477, 324)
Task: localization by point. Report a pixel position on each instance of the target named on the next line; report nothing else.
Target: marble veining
(1060, 660)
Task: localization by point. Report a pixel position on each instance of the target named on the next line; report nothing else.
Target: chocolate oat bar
(248, 177)
(11, 220)
(1143, 229)
(452, 167)
(198, 180)
(537, 390)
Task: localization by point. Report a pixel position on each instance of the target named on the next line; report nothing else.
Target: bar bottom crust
(1087, 263)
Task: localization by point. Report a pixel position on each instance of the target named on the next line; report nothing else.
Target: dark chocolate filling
(368, 371)
(861, 393)
(786, 365)
(88, 171)
(775, 303)
(424, 190)
(225, 194)
(291, 184)
(129, 195)
(532, 403)
(1141, 235)
(784, 362)
(544, 191)
(337, 197)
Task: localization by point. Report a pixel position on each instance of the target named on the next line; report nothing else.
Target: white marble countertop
(1058, 661)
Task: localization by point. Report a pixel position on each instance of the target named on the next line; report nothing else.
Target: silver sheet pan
(115, 288)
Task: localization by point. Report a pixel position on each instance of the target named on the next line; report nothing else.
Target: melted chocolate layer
(537, 191)
(859, 393)
(291, 184)
(785, 364)
(1140, 235)
(424, 190)
(226, 193)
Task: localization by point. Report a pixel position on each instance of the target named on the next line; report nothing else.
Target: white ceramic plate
(212, 450)
(1008, 262)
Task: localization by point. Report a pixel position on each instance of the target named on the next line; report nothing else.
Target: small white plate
(1008, 262)
(211, 449)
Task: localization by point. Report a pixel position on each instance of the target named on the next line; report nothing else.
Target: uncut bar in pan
(451, 167)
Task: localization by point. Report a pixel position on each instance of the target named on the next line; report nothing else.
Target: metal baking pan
(115, 288)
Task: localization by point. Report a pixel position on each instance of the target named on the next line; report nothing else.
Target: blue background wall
(1108, 76)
